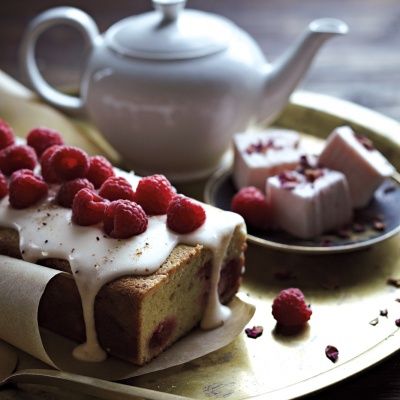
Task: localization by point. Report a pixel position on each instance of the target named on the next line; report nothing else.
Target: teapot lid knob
(169, 8)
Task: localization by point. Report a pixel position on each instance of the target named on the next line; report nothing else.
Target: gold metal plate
(346, 291)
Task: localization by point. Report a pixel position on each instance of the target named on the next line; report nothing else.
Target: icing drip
(46, 231)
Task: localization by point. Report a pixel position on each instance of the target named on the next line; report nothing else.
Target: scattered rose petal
(397, 322)
(389, 189)
(374, 322)
(343, 234)
(383, 313)
(254, 332)
(326, 243)
(398, 300)
(394, 282)
(379, 226)
(358, 228)
(332, 353)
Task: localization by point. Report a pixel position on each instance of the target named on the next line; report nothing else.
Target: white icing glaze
(46, 231)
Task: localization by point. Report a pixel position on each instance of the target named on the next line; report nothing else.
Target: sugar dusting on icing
(46, 231)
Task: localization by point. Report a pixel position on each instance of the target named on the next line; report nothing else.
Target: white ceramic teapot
(168, 88)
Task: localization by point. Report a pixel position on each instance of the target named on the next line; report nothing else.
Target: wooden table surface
(363, 67)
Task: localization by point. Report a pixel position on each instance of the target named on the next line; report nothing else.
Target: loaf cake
(143, 265)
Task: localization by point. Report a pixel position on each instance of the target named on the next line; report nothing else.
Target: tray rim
(338, 111)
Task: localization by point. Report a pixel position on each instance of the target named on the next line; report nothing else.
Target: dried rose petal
(383, 313)
(326, 243)
(367, 143)
(254, 332)
(312, 174)
(343, 234)
(379, 226)
(332, 353)
(374, 322)
(389, 189)
(394, 282)
(397, 322)
(358, 228)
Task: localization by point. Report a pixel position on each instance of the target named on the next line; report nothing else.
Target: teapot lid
(170, 32)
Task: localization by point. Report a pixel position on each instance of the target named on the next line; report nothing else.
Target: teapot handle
(61, 15)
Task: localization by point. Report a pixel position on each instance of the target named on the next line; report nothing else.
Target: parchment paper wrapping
(22, 285)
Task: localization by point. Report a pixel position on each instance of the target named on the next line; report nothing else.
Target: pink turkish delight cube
(355, 156)
(259, 155)
(308, 202)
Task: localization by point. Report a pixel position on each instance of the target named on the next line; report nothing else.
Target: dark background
(363, 67)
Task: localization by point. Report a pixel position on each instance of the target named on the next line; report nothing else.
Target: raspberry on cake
(308, 202)
(7, 137)
(355, 156)
(43, 138)
(134, 283)
(16, 157)
(259, 155)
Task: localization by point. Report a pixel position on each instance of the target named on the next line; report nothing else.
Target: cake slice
(137, 317)
(355, 156)
(259, 155)
(309, 202)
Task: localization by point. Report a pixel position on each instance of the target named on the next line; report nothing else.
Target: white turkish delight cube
(364, 167)
(309, 202)
(259, 155)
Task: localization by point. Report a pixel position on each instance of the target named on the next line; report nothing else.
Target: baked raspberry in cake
(259, 155)
(136, 282)
(308, 202)
(355, 156)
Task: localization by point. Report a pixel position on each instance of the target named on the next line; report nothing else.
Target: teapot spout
(283, 76)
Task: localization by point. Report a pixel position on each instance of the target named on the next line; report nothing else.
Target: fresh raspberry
(16, 157)
(99, 170)
(3, 186)
(7, 137)
(43, 138)
(45, 162)
(117, 188)
(88, 208)
(69, 163)
(124, 219)
(290, 309)
(251, 204)
(68, 190)
(154, 194)
(26, 189)
(185, 215)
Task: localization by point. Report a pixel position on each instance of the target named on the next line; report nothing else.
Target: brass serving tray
(346, 291)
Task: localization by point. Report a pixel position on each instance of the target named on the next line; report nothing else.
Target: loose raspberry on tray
(26, 189)
(184, 215)
(43, 138)
(69, 163)
(124, 219)
(16, 157)
(46, 168)
(68, 190)
(3, 186)
(7, 137)
(99, 170)
(290, 308)
(251, 204)
(88, 208)
(117, 188)
(154, 194)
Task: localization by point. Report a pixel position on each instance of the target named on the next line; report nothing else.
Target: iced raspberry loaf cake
(144, 265)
